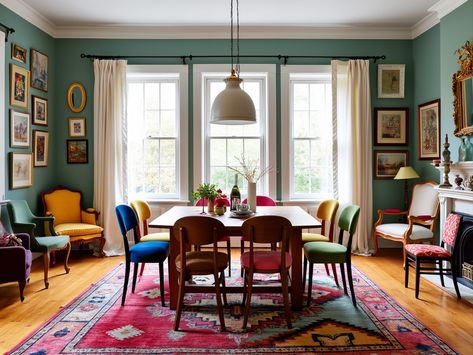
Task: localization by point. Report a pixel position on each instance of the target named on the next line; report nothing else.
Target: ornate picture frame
(39, 70)
(18, 53)
(19, 86)
(388, 162)
(39, 110)
(391, 126)
(41, 148)
(429, 130)
(21, 170)
(391, 78)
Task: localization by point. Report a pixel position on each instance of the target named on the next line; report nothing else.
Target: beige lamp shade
(406, 172)
(233, 106)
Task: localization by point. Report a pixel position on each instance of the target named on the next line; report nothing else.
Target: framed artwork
(40, 110)
(19, 86)
(77, 127)
(19, 129)
(429, 130)
(391, 81)
(21, 170)
(391, 127)
(18, 53)
(77, 151)
(41, 148)
(39, 70)
(388, 162)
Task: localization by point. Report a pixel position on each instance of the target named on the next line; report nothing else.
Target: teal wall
(28, 36)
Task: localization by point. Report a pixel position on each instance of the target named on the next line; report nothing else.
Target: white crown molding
(31, 15)
(444, 7)
(249, 32)
(424, 25)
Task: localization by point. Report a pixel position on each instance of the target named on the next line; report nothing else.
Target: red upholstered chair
(266, 229)
(434, 255)
(225, 238)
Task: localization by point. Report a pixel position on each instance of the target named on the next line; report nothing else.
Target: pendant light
(233, 106)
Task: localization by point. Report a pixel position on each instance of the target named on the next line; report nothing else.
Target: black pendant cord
(7, 30)
(190, 57)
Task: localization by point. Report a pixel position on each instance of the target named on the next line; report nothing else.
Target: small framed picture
(388, 162)
(19, 86)
(77, 127)
(18, 53)
(39, 70)
(429, 130)
(41, 148)
(21, 170)
(391, 81)
(40, 110)
(19, 129)
(77, 151)
(391, 127)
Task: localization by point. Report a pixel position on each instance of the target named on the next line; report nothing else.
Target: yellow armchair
(69, 219)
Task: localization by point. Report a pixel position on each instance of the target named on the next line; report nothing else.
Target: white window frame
(2, 117)
(201, 152)
(287, 170)
(182, 134)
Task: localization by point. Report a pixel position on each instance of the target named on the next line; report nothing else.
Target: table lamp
(405, 173)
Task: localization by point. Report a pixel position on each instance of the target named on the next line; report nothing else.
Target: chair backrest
(347, 222)
(326, 212)
(143, 212)
(198, 230)
(425, 200)
(127, 221)
(262, 201)
(63, 203)
(450, 229)
(20, 211)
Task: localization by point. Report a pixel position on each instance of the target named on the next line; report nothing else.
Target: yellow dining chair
(326, 212)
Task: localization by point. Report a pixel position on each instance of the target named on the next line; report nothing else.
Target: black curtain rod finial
(8, 30)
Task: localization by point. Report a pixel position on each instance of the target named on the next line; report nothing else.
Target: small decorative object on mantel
(446, 164)
(462, 150)
(458, 181)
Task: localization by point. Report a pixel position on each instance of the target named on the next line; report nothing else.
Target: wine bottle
(235, 196)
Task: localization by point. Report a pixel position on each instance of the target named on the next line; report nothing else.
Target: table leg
(296, 270)
(173, 275)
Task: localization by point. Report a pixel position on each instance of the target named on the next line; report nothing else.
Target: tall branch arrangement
(250, 169)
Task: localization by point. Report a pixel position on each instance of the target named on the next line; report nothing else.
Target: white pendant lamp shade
(233, 106)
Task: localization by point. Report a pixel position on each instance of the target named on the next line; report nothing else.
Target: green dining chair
(335, 253)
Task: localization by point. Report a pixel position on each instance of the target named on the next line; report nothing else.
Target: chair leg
(229, 252)
(404, 254)
(342, 271)
(350, 282)
(327, 270)
(375, 239)
(125, 282)
(454, 278)
(223, 288)
(417, 276)
(102, 244)
(335, 276)
(245, 285)
(21, 285)
(66, 258)
(161, 282)
(406, 272)
(441, 273)
(46, 268)
(304, 273)
(135, 274)
(309, 283)
(242, 250)
(180, 300)
(248, 298)
(219, 302)
(285, 295)
(142, 269)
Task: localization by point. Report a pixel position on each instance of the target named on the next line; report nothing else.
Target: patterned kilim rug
(95, 323)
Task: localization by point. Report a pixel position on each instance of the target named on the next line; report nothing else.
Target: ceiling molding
(444, 7)
(222, 32)
(424, 25)
(31, 15)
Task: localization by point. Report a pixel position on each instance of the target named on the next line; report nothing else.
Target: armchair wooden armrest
(422, 220)
(389, 211)
(90, 216)
(27, 228)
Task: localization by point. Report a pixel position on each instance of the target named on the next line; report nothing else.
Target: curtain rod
(7, 30)
(285, 58)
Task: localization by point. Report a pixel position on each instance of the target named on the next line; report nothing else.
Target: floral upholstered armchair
(69, 218)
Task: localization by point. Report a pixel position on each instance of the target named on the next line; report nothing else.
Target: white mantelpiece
(451, 199)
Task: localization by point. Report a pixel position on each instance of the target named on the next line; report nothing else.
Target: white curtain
(109, 147)
(352, 122)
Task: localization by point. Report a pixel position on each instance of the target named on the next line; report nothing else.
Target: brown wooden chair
(199, 231)
(266, 229)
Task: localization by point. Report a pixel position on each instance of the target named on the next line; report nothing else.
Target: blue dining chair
(145, 252)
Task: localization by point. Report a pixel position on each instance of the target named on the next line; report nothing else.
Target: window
(157, 132)
(221, 145)
(307, 133)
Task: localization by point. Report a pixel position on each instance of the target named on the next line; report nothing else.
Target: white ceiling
(372, 18)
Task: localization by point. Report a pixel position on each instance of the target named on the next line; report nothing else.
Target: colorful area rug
(95, 323)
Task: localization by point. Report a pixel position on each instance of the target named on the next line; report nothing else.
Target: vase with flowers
(208, 192)
(221, 204)
(252, 172)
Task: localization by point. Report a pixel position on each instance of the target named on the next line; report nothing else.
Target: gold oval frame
(70, 91)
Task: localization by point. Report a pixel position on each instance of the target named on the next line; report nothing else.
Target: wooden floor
(444, 314)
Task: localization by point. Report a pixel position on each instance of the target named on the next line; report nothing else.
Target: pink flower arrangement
(221, 200)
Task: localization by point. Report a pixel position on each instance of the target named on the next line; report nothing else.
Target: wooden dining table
(299, 219)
